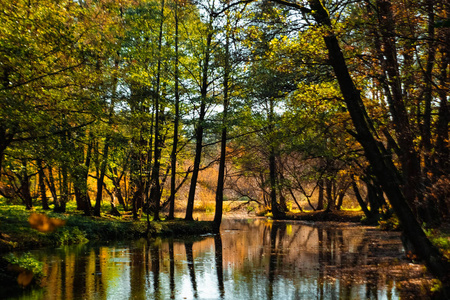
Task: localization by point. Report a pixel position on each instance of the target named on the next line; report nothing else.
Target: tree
(380, 161)
(223, 142)
(204, 85)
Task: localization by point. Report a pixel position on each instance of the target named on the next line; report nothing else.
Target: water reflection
(250, 259)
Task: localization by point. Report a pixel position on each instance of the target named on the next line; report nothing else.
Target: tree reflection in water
(219, 264)
(250, 259)
(190, 263)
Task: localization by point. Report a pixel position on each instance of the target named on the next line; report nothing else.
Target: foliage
(70, 236)
(390, 224)
(27, 262)
(441, 239)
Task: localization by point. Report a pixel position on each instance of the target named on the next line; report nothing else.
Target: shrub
(69, 236)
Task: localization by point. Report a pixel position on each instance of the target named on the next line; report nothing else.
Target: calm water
(250, 259)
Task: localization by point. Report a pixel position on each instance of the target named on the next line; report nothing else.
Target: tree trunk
(42, 188)
(405, 136)
(360, 200)
(155, 191)
(100, 179)
(341, 195)
(223, 143)
(428, 92)
(80, 181)
(87, 207)
(104, 163)
(200, 126)
(24, 190)
(320, 183)
(276, 212)
(51, 185)
(173, 155)
(442, 149)
(117, 188)
(60, 205)
(329, 193)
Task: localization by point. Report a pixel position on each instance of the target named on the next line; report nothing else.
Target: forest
(161, 107)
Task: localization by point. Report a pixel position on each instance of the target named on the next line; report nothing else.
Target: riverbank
(22, 230)
(345, 216)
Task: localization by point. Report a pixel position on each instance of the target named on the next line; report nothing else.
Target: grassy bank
(16, 232)
(350, 216)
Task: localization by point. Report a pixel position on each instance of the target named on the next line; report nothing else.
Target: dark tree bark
(24, 190)
(320, 184)
(42, 188)
(329, 193)
(360, 200)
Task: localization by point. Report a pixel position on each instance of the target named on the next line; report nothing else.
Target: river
(250, 259)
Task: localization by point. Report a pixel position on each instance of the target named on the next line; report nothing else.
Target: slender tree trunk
(42, 188)
(61, 208)
(137, 200)
(320, 205)
(360, 200)
(80, 177)
(155, 191)
(428, 93)
(341, 195)
(329, 193)
(51, 185)
(104, 163)
(276, 212)
(442, 149)
(87, 207)
(380, 161)
(100, 180)
(173, 155)
(223, 143)
(60, 205)
(24, 190)
(117, 188)
(200, 126)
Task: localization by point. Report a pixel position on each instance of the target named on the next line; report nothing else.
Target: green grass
(16, 232)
